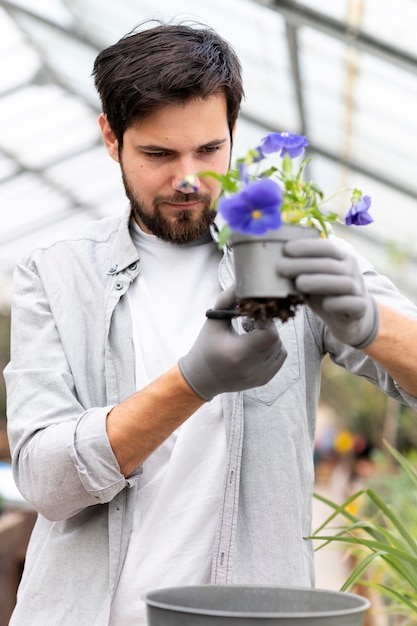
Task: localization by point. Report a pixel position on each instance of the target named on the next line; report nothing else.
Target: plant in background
(380, 533)
(255, 200)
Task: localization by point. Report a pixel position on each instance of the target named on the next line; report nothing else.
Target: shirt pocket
(289, 373)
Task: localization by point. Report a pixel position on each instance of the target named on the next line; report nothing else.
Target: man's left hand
(330, 279)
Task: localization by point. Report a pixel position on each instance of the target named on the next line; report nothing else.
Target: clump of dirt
(263, 309)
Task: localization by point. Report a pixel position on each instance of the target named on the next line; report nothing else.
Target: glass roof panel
(67, 60)
(395, 23)
(333, 8)
(28, 187)
(8, 167)
(98, 182)
(352, 107)
(323, 91)
(57, 114)
(54, 10)
(19, 63)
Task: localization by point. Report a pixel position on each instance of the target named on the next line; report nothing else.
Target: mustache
(178, 198)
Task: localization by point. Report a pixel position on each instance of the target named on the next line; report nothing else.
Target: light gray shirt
(72, 359)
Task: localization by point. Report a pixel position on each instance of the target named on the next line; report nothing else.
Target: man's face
(159, 151)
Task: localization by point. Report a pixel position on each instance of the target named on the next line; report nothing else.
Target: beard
(185, 227)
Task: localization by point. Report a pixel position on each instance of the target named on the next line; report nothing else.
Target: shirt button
(113, 269)
(133, 266)
(118, 286)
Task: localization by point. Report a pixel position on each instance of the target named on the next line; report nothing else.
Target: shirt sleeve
(356, 361)
(61, 455)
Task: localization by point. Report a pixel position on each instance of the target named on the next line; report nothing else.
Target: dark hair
(165, 64)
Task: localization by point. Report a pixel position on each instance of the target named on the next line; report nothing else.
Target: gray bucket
(253, 605)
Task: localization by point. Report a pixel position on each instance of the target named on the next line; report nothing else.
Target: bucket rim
(362, 603)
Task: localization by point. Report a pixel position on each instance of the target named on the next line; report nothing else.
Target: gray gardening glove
(222, 360)
(331, 280)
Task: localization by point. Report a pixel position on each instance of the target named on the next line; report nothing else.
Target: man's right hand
(221, 360)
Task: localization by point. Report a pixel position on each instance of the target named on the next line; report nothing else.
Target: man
(158, 447)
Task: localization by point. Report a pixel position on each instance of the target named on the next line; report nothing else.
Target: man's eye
(156, 155)
(210, 149)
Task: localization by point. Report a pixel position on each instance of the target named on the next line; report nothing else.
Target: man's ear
(109, 137)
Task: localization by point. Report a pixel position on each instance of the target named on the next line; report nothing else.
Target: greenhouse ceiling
(342, 72)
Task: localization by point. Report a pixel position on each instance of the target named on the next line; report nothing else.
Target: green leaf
(355, 575)
(287, 164)
(408, 469)
(395, 520)
(224, 236)
(392, 593)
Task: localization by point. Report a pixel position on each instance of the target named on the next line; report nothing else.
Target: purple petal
(255, 209)
(358, 214)
(271, 143)
(263, 193)
(284, 143)
(188, 185)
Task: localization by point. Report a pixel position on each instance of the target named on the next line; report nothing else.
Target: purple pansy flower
(254, 209)
(358, 214)
(188, 185)
(284, 143)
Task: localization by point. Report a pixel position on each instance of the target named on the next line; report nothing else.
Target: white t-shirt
(179, 491)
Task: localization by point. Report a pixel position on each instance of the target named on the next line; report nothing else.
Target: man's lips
(183, 206)
(181, 202)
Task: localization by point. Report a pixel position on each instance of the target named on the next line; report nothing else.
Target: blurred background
(342, 72)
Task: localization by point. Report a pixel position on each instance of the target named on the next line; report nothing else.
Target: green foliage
(380, 531)
(362, 408)
(302, 199)
(299, 201)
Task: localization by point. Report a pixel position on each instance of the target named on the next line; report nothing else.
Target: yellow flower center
(256, 214)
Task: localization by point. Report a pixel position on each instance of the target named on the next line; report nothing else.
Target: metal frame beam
(298, 14)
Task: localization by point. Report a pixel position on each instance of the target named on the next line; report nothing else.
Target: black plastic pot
(260, 291)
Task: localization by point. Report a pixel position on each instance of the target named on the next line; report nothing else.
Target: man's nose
(189, 184)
